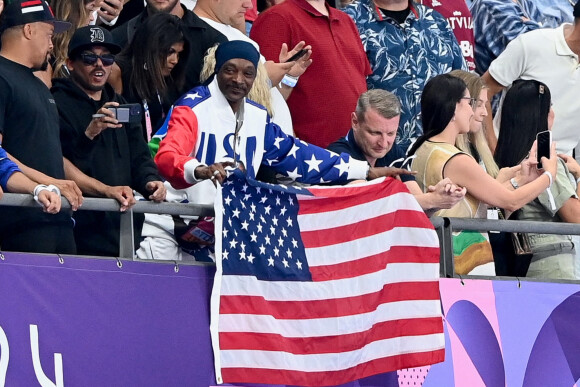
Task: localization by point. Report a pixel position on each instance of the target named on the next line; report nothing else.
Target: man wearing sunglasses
(109, 158)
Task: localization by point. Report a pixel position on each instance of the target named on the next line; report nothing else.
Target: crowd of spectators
(388, 86)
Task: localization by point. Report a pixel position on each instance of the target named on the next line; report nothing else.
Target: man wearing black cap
(29, 127)
(112, 157)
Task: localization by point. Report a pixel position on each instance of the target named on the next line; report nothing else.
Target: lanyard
(239, 123)
(148, 124)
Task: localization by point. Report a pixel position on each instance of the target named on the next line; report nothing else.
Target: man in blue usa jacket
(215, 126)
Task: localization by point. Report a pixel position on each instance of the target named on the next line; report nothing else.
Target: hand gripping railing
(126, 247)
(443, 226)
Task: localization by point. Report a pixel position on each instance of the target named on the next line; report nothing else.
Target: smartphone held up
(127, 113)
(544, 141)
(297, 56)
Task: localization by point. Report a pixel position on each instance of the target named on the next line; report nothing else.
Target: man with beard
(214, 127)
(199, 35)
(29, 128)
(111, 158)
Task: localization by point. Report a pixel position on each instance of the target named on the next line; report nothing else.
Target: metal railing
(443, 226)
(126, 247)
(446, 226)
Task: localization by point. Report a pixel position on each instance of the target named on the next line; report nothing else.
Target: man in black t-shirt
(372, 138)
(29, 128)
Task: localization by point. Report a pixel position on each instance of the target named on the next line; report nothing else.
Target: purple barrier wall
(139, 325)
(501, 333)
(146, 325)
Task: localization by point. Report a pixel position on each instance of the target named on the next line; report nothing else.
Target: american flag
(320, 286)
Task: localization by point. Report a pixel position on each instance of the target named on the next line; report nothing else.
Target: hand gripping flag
(323, 285)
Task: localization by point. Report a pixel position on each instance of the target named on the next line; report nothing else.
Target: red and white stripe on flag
(371, 306)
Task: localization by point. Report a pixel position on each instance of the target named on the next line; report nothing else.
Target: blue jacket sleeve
(308, 163)
(7, 169)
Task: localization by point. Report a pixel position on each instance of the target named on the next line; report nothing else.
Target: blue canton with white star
(260, 232)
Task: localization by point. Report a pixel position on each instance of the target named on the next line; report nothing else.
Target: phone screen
(544, 144)
(123, 114)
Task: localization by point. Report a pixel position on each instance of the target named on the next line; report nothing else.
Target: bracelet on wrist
(578, 181)
(43, 187)
(289, 80)
(549, 192)
(549, 174)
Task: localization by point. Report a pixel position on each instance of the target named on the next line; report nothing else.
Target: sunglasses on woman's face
(90, 58)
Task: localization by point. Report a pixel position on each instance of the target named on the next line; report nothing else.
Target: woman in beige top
(446, 109)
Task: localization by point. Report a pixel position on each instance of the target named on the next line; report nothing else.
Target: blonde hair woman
(474, 142)
(260, 91)
(79, 14)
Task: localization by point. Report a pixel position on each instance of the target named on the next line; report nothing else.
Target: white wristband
(549, 174)
(289, 80)
(42, 187)
(549, 192)
(578, 181)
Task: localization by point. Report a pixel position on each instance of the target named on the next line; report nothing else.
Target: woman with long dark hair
(527, 111)
(447, 110)
(151, 70)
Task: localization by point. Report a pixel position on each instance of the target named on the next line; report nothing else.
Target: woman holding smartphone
(447, 110)
(527, 115)
(507, 263)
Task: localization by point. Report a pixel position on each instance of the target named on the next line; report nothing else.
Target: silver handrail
(102, 204)
(126, 245)
(443, 226)
(446, 226)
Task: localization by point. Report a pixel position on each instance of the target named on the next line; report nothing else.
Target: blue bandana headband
(235, 49)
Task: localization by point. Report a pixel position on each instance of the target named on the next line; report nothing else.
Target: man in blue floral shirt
(406, 44)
